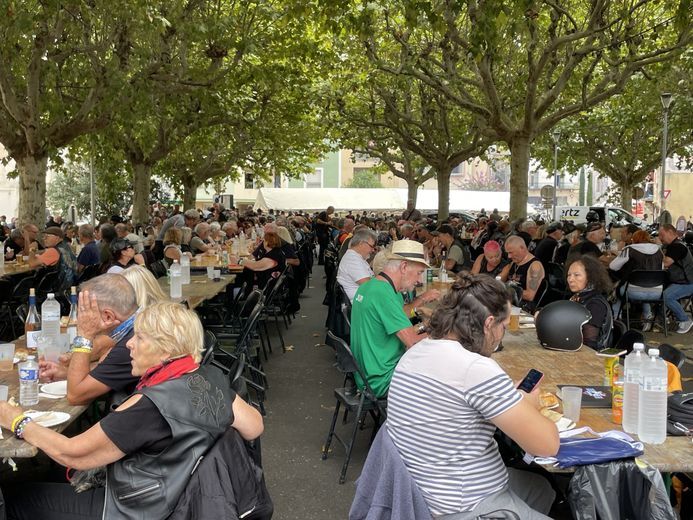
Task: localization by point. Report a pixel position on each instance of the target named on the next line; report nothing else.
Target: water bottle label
(632, 376)
(28, 374)
(654, 384)
(32, 339)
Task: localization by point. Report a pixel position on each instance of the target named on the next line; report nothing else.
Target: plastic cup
(6, 356)
(4, 392)
(25, 259)
(210, 272)
(514, 318)
(217, 275)
(572, 402)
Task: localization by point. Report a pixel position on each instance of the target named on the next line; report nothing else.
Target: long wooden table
(205, 261)
(11, 268)
(199, 289)
(522, 351)
(10, 446)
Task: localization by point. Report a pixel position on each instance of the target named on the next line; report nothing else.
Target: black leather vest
(197, 407)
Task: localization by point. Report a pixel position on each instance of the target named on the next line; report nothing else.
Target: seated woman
(491, 262)
(267, 263)
(147, 289)
(152, 441)
(123, 256)
(173, 238)
(641, 254)
(589, 282)
(446, 399)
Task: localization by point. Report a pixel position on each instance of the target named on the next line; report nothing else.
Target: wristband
(15, 421)
(80, 350)
(81, 344)
(21, 426)
(412, 314)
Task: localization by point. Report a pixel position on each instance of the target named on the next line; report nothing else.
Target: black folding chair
(361, 403)
(647, 279)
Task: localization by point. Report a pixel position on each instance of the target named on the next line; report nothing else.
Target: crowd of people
(138, 351)
(445, 396)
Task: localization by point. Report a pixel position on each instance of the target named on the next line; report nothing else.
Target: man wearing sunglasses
(353, 268)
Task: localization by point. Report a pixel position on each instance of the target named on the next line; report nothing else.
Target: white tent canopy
(358, 199)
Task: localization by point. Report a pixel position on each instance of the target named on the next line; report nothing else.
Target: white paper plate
(48, 419)
(56, 388)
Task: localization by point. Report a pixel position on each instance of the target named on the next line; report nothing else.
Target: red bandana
(169, 369)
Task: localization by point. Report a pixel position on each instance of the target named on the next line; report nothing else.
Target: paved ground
(299, 408)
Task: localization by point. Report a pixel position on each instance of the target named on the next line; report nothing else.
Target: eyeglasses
(372, 246)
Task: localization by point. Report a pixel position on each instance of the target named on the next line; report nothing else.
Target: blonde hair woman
(147, 289)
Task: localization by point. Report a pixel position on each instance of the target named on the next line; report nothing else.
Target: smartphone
(531, 380)
(612, 352)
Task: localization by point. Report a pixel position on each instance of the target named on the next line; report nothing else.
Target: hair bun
(464, 280)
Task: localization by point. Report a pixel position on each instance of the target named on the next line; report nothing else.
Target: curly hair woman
(589, 282)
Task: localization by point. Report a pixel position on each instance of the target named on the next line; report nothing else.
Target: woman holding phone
(446, 399)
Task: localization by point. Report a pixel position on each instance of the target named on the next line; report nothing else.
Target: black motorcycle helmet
(559, 325)
(592, 216)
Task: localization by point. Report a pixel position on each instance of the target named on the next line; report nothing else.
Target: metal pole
(92, 192)
(556, 136)
(666, 101)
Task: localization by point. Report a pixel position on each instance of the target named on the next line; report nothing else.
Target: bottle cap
(654, 352)
(30, 358)
(51, 295)
(638, 346)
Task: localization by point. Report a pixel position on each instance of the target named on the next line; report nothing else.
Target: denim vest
(67, 266)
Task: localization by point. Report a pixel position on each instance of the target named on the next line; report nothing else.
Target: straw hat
(284, 234)
(408, 250)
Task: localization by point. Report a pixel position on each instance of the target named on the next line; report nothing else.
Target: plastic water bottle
(443, 273)
(185, 269)
(652, 412)
(72, 319)
(631, 387)
(242, 245)
(176, 282)
(29, 382)
(50, 318)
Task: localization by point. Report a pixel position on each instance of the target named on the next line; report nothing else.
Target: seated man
(353, 268)
(58, 254)
(380, 326)
(458, 257)
(14, 245)
(90, 254)
(525, 270)
(679, 262)
(546, 247)
(107, 310)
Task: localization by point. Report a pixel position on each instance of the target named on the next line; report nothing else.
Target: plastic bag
(619, 489)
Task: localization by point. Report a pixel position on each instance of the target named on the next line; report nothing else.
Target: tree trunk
(141, 183)
(443, 177)
(626, 196)
(32, 189)
(590, 189)
(519, 167)
(189, 192)
(412, 189)
(581, 193)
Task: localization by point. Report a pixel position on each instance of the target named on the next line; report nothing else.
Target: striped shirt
(441, 400)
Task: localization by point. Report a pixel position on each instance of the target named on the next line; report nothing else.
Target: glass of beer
(514, 318)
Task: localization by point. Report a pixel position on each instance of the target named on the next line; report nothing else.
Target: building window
(314, 180)
(249, 181)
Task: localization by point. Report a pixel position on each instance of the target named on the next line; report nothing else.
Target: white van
(607, 214)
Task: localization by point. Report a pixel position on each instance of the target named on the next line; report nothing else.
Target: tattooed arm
(534, 277)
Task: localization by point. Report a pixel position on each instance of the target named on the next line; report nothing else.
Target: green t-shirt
(377, 314)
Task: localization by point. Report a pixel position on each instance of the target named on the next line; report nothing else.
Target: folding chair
(361, 402)
(647, 279)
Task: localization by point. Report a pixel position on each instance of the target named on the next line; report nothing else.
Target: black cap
(119, 244)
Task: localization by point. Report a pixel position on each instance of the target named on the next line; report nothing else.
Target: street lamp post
(556, 136)
(666, 101)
